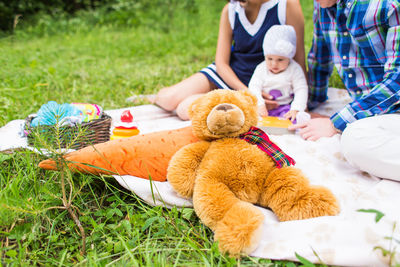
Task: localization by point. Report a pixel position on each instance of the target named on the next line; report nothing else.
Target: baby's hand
(262, 111)
(291, 115)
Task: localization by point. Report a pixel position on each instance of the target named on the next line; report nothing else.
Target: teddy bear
(235, 166)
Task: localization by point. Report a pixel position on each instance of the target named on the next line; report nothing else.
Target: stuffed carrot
(144, 156)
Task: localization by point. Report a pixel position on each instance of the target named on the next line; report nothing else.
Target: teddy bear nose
(225, 119)
(224, 107)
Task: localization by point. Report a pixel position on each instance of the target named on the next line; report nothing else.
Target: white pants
(373, 145)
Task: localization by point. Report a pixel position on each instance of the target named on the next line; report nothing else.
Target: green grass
(103, 64)
(74, 60)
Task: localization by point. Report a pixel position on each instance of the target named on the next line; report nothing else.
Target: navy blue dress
(247, 50)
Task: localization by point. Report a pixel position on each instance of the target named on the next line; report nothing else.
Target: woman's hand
(223, 53)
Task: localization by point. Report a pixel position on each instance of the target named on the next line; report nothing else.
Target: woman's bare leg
(170, 97)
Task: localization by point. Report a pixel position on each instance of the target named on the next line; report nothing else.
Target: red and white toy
(125, 127)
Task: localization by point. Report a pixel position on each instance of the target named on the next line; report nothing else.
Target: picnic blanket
(355, 237)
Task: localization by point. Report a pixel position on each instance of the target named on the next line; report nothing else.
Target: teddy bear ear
(192, 107)
(252, 99)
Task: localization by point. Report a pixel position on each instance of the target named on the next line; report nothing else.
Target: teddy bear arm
(182, 167)
(290, 196)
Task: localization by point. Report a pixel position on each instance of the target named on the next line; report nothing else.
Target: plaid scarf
(256, 136)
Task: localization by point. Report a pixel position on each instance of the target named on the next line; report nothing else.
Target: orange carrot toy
(144, 156)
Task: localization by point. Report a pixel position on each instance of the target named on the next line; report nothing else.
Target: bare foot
(142, 99)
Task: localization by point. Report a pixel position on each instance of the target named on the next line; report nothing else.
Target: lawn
(91, 59)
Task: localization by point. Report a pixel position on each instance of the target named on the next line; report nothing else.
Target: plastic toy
(125, 127)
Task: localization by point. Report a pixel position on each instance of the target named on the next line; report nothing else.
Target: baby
(279, 75)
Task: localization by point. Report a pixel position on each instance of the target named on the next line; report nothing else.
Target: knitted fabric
(280, 40)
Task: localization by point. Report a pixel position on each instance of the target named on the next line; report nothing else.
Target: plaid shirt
(362, 39)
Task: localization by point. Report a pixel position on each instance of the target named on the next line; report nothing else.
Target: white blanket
(352, 238)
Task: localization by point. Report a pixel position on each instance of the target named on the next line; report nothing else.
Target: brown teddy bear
(234, 166)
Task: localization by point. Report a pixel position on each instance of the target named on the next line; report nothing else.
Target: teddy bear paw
(240, 229)
(315, 202)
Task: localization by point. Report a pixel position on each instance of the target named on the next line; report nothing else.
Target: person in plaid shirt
(362, 39)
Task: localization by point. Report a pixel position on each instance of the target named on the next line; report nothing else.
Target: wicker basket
(90, 133)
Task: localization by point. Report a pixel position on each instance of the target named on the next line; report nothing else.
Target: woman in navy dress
(243, 25)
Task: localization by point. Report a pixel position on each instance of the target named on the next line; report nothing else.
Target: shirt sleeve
(385, 96)
(256, 81)
(320, 64)
(300, 89)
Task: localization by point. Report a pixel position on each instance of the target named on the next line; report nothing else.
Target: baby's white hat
(280, 40)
